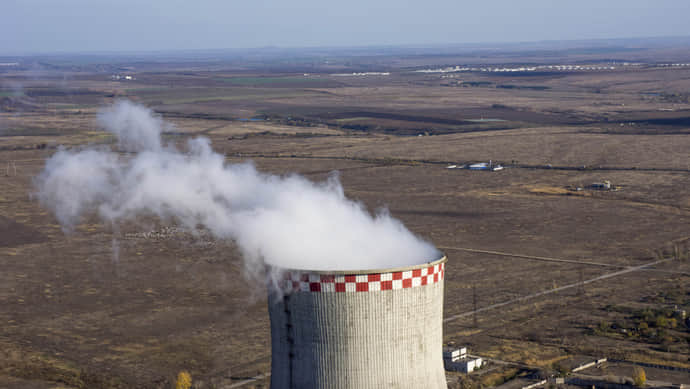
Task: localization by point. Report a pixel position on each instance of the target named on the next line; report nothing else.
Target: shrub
(184, 380)
(661, 322)
(639, 376)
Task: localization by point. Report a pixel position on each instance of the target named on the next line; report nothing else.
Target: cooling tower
(358, 329)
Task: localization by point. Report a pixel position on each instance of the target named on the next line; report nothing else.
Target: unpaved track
(555, 290)
(548, 259)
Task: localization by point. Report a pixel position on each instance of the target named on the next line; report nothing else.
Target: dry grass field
(131, 306)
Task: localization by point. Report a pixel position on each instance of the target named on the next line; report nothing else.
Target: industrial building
(459, 360)
(358, 329)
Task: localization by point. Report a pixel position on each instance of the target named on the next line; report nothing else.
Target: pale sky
(28, 26)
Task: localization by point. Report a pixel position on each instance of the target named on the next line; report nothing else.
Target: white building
(459, 360)
(469, 364)
(455, 354)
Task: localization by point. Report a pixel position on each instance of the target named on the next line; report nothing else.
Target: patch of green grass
(145, 90)
(526, 87)
(30, 131)
(235, 97)
(283, 81)
(352, 119)
(72, 106)
(11, 93)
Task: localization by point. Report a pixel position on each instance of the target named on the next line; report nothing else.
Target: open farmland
(555, 273)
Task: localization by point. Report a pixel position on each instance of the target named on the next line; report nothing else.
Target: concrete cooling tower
(358, 329)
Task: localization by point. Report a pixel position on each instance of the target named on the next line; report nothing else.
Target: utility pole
(13, 166)
(474, 302)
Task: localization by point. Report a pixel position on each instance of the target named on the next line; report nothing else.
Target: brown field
(106, 307)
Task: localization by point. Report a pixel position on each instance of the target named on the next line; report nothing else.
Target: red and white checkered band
(296, 281)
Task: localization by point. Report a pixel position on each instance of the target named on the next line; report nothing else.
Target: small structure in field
(456, 354)
(458, 360)
(490, 166)
(606, 185)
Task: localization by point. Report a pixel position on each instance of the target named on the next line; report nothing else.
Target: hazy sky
(105, 25)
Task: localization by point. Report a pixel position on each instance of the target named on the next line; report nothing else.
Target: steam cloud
(288, 222)
(136, 128)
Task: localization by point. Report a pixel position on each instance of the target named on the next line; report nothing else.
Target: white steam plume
(135, 126)
(289, 222)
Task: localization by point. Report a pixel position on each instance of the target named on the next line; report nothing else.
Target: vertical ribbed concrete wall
(380, 329)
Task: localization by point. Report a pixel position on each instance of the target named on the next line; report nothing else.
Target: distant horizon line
(408, 46)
